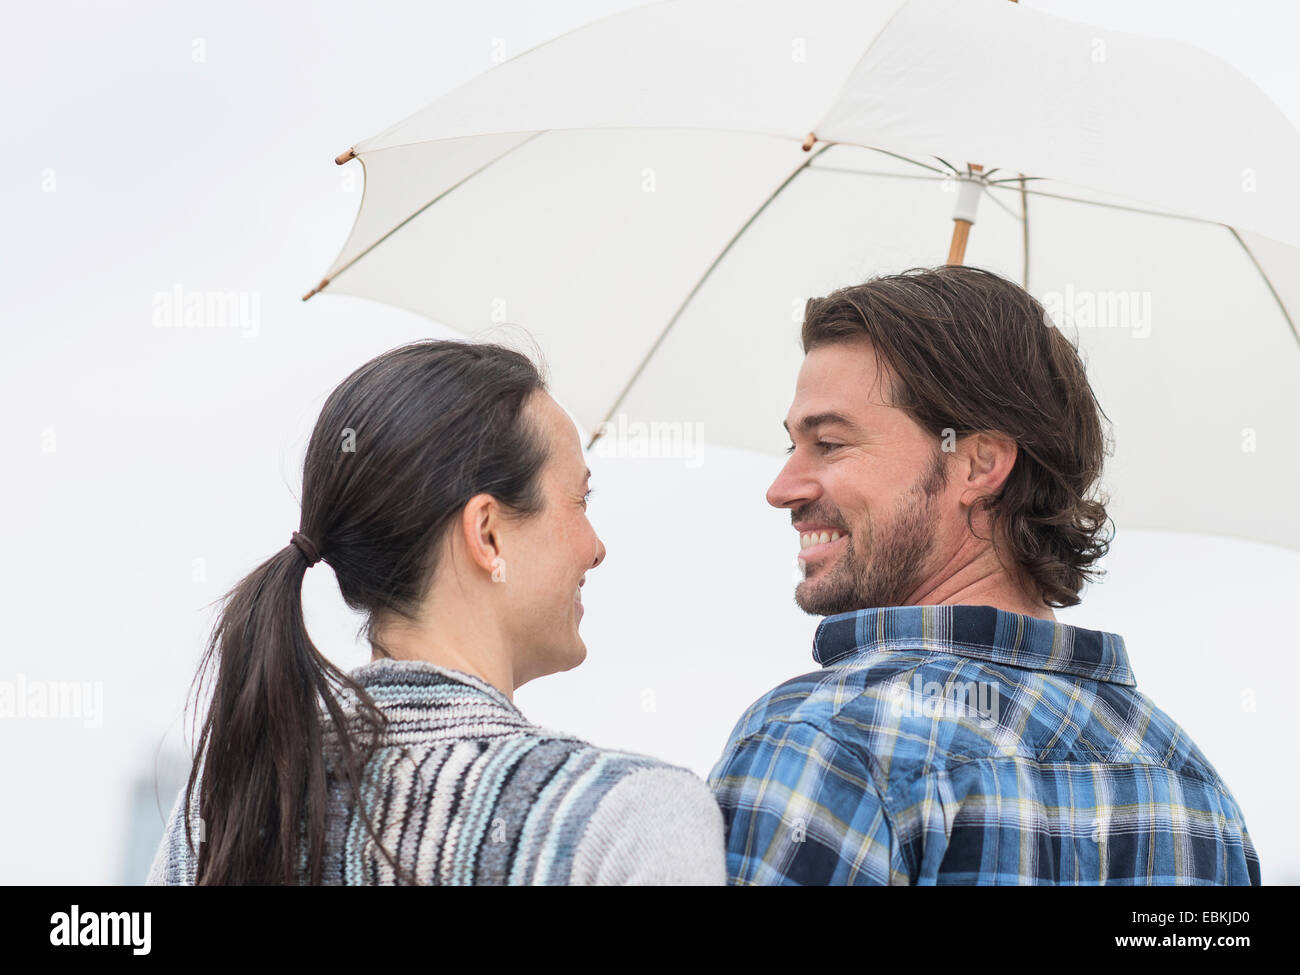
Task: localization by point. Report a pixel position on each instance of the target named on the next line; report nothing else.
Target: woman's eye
(587, 497)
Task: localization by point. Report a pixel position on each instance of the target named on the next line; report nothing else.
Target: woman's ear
(480, 527)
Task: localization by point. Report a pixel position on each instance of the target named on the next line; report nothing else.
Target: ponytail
(262, 793)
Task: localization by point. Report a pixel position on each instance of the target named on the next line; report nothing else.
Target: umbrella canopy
(654, 196)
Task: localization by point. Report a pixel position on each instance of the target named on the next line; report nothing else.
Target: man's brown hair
(971, 351)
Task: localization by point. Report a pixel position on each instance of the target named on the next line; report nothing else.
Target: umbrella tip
(318, 289)
(808, 142)
(343, 157)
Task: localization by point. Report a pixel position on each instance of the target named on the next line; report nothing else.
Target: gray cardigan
(464, 790)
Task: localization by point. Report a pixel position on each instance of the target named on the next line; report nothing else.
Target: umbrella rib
(1268, 283)
(914, 162)
(1023, 190)
(1272, 290)
(1176, 216)
(875, 172)
(1119, 206)
(459, 183)
(1024, 221)
(695, 290)
(1002, 206)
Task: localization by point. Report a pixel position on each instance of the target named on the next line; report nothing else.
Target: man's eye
(587, 497)
(825, 445)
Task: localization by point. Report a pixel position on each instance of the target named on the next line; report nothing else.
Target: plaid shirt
(970, 745)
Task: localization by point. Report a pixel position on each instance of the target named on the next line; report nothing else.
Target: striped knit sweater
(464, 790)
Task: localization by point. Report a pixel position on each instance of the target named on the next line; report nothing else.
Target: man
(944, 443)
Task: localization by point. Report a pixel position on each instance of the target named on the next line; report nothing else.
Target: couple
(954, 733)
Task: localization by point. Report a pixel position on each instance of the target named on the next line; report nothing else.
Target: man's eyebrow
(815, 420)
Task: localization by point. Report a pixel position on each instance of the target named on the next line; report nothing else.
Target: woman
(448, 492)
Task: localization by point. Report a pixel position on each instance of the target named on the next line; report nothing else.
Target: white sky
(176, 445)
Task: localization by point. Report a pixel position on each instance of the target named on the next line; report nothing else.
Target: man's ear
(480, 526)
(987, 459)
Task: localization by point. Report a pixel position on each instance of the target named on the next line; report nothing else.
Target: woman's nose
(600, 553)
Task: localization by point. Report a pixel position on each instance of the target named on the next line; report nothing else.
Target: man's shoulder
(850, 701)
(809, 698)
(955, 709)
(1151, 735)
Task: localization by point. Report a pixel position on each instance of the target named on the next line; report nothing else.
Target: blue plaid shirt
(970, 745)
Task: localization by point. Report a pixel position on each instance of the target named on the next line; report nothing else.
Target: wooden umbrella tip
(318, 289)
(343, 157)
(808, 142)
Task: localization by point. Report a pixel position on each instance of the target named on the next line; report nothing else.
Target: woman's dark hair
(971, 351)
(399, 448)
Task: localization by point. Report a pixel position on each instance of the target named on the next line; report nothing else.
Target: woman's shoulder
(649, 822)
(626, 817)
(637, 782)
(599, 768)
(174, 862)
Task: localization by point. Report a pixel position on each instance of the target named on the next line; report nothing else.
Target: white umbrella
(653, 197)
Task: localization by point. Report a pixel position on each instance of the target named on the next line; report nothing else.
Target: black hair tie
(304, 545)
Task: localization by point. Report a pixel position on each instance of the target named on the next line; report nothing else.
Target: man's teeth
(816, 538)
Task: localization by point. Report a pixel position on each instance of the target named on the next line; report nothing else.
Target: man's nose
(600, 552)
(790, 487)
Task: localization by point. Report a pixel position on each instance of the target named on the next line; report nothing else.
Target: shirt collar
(980, 632)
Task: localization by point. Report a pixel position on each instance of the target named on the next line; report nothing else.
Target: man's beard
(895, 560)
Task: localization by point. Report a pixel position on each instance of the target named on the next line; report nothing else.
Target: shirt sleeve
(655, 826)
(800, 808)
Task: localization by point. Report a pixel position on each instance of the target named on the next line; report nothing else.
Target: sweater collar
(423, 701)
(416, 675)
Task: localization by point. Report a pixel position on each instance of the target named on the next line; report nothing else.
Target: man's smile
(818, 540)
